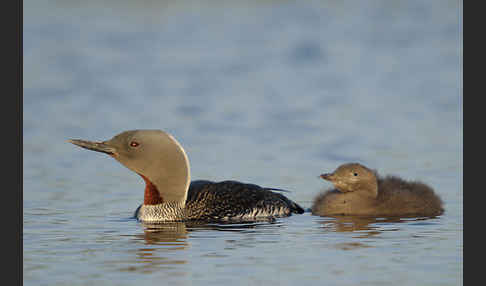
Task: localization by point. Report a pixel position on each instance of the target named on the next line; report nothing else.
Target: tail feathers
(296, 208)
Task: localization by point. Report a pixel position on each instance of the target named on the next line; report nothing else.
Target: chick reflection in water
(364, 227)
(356, 223)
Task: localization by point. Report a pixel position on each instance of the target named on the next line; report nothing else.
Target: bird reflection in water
(351, 224)
(165, 242)
(160, 242)
(369, 225)
(364, 227)
(172, 234)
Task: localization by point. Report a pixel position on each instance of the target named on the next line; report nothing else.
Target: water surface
(272, 93)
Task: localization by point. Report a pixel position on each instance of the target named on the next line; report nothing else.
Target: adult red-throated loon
(170, 195)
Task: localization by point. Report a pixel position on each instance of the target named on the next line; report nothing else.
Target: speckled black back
(231, 199)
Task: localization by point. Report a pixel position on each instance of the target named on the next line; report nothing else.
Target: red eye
(134, 144)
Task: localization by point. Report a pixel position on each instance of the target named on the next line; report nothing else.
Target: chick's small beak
(94, 146)
(327, 176)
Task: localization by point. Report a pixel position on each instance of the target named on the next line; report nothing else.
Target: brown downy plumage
(360, 191)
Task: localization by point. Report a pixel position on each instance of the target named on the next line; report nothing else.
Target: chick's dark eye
(134, 144)
(355, 174)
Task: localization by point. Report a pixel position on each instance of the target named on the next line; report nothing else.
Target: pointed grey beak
(94, 146)
(327, 176)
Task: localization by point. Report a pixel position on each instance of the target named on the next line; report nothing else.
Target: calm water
(267, 92)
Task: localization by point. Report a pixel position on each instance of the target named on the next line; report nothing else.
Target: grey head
(353, 177)
(153, 154)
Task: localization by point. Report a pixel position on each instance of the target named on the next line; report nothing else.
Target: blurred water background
(267, 92)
